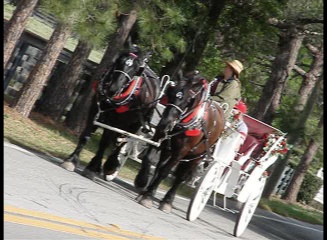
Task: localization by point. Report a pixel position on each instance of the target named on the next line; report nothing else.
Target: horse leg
(142, 178)
(112, 165)
(162, 170)
(166, 205)
(183, 172)
(94, 166)
(72, 161)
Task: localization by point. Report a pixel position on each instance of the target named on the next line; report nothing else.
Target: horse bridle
(126, 75)
(130, 79)
(177, 107)
(183, 112)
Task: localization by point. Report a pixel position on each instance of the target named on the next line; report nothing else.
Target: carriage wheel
(203, 191)
(246, 213)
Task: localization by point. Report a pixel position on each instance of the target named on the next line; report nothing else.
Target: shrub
(309, 188)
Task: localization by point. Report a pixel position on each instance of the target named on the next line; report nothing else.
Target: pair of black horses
(189, 126)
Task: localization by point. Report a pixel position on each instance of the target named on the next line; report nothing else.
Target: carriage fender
(225, 151)
(233, 178)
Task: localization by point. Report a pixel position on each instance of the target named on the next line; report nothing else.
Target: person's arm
(214, 83)
(243, 129)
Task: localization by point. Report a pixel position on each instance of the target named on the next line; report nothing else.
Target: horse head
(189, 92)
(120, 78)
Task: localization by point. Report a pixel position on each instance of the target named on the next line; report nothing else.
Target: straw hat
(237, 66)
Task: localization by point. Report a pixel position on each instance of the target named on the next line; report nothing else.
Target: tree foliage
(91, 20)
(159, 29)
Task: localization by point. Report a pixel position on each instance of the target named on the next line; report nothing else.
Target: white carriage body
(227, 157)
(238, 174)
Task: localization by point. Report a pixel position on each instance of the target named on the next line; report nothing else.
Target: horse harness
(132, 88)
(192, 122)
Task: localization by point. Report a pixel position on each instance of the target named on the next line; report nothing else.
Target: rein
(198, 111)
(177, 107)
(135, 86)
(126, 75)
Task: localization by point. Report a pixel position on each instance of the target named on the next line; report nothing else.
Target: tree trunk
(288, 47)
(299, 174)
(116, 43)
(201, 40)
(16, 27)
(310, 78)
(77, 116)
(61, 93)
(197, 40)
(38, 77)
(293, 137)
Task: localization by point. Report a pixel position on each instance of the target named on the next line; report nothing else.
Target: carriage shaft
(139, 137)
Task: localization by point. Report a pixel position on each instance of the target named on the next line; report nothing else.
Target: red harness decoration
(126, 93)
(193, 132)
(128, 90)
(196, 131)
(95, 85)
(122, 109)
(192, 115)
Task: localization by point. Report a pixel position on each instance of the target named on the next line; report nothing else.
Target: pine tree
(15, 27)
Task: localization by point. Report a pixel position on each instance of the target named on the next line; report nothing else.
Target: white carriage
(240, 175)
(234, 174)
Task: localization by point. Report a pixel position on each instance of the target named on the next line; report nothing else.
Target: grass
(293, 210)
(44, 135)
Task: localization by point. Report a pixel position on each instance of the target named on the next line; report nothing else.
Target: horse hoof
(146, 202)
(88, 174)
(68, 166)
(165, 207)
(111, 176)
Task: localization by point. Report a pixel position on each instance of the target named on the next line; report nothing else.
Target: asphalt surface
(44, 201)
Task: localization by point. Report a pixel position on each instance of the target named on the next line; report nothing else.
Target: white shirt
(242, 128)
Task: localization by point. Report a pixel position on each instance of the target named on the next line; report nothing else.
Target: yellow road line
(49, 217)
(59, 227)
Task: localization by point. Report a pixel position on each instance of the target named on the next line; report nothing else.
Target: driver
(227, 88)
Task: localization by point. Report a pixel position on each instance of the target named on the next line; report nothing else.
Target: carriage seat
(250, 144)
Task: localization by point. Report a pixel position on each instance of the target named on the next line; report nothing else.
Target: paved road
(44, 201)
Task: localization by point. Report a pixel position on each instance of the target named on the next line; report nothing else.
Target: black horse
(125, 99)
(190, 125)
